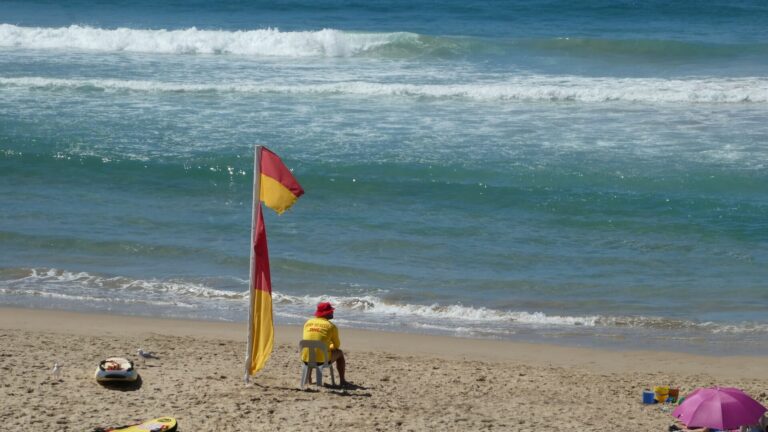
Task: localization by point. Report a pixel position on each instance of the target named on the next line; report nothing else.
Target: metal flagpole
(251, 285)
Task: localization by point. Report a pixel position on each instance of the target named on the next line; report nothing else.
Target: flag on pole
(279, 189)
(275, 185)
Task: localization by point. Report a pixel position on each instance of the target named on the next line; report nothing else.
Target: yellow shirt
(323, 330)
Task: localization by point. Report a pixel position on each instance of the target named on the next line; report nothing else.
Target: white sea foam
(535, 88)
(96, 299)
(152, 287)
(263, 42)
(377, 306)
(85, 287)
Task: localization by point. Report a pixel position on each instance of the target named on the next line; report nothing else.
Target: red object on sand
(719, 408)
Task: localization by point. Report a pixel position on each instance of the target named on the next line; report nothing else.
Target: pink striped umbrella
(719, 408)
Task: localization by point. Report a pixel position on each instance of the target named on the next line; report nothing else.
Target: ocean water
(591, 173)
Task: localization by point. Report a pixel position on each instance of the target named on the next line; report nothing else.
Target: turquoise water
(588, 174)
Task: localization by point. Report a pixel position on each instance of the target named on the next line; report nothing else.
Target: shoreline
(440, 346)
(597, 329)
(402, 381)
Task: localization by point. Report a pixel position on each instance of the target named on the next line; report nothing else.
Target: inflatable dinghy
(162, 424)
(116, 369)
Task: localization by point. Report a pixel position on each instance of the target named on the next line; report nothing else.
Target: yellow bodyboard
(162, 424)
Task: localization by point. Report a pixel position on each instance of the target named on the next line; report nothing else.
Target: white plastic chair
(312, 346)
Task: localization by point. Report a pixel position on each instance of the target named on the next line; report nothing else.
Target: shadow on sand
(123, 385)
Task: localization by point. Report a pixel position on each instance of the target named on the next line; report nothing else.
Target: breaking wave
(337, 43)
(77, 287)
(263, 42)
(54, 282)
(518, 88)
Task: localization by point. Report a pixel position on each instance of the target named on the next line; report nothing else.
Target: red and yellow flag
(279, 190)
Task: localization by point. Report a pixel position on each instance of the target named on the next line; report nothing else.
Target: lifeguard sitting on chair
(322, 329)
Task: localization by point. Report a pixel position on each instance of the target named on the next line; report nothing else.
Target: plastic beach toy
(662, 392)
(648, 397)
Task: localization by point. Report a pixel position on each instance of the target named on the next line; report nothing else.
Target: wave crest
(85, 287)
(36, 280)
(534, 88)
(263, 42)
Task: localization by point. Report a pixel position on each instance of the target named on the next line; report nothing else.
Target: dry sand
(402, 381)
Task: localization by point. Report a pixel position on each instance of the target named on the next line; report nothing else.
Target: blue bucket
(649, 397)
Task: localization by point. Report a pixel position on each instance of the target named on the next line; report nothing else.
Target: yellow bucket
(661, 393)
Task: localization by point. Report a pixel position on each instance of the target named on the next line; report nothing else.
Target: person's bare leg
(337, 356)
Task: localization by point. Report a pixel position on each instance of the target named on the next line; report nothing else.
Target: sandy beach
(525, 212)
(401, 381)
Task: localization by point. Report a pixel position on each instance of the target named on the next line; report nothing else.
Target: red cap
(323, 309)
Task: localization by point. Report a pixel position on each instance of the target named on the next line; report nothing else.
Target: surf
(515, 88)
(261, 42)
